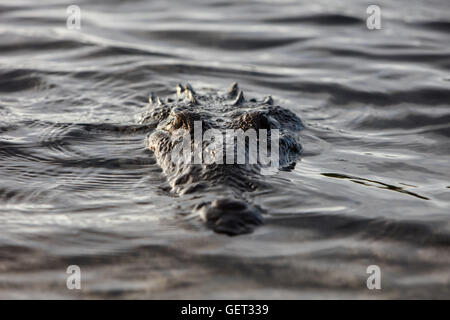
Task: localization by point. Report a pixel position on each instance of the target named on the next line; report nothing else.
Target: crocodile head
(211, 141)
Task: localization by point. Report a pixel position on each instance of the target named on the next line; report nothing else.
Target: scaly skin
(229, 213)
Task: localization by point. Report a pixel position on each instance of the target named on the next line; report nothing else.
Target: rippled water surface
(77, 187)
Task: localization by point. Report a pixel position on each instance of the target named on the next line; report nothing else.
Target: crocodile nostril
(229, 204)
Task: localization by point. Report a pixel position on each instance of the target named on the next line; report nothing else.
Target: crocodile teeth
(191, 97)
(239, 99)
(268, 100)
(180, 89)
(152, 97)
(232, 92)
(189, 87)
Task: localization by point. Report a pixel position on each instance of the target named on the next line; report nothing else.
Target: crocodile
(229, 184)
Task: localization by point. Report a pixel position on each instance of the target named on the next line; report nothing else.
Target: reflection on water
(373, 183)
(78, 186)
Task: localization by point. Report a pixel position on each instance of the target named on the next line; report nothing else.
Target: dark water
(372, 187)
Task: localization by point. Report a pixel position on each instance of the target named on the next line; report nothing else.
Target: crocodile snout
(230, 216)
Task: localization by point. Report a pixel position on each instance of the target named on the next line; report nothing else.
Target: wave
(321, 19)
(341, 94)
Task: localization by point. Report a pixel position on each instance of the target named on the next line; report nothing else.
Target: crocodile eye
(255, 120)
(155, 114)
(175, 111)
(177, 122)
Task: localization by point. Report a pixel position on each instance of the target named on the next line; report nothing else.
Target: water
(372, 187)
